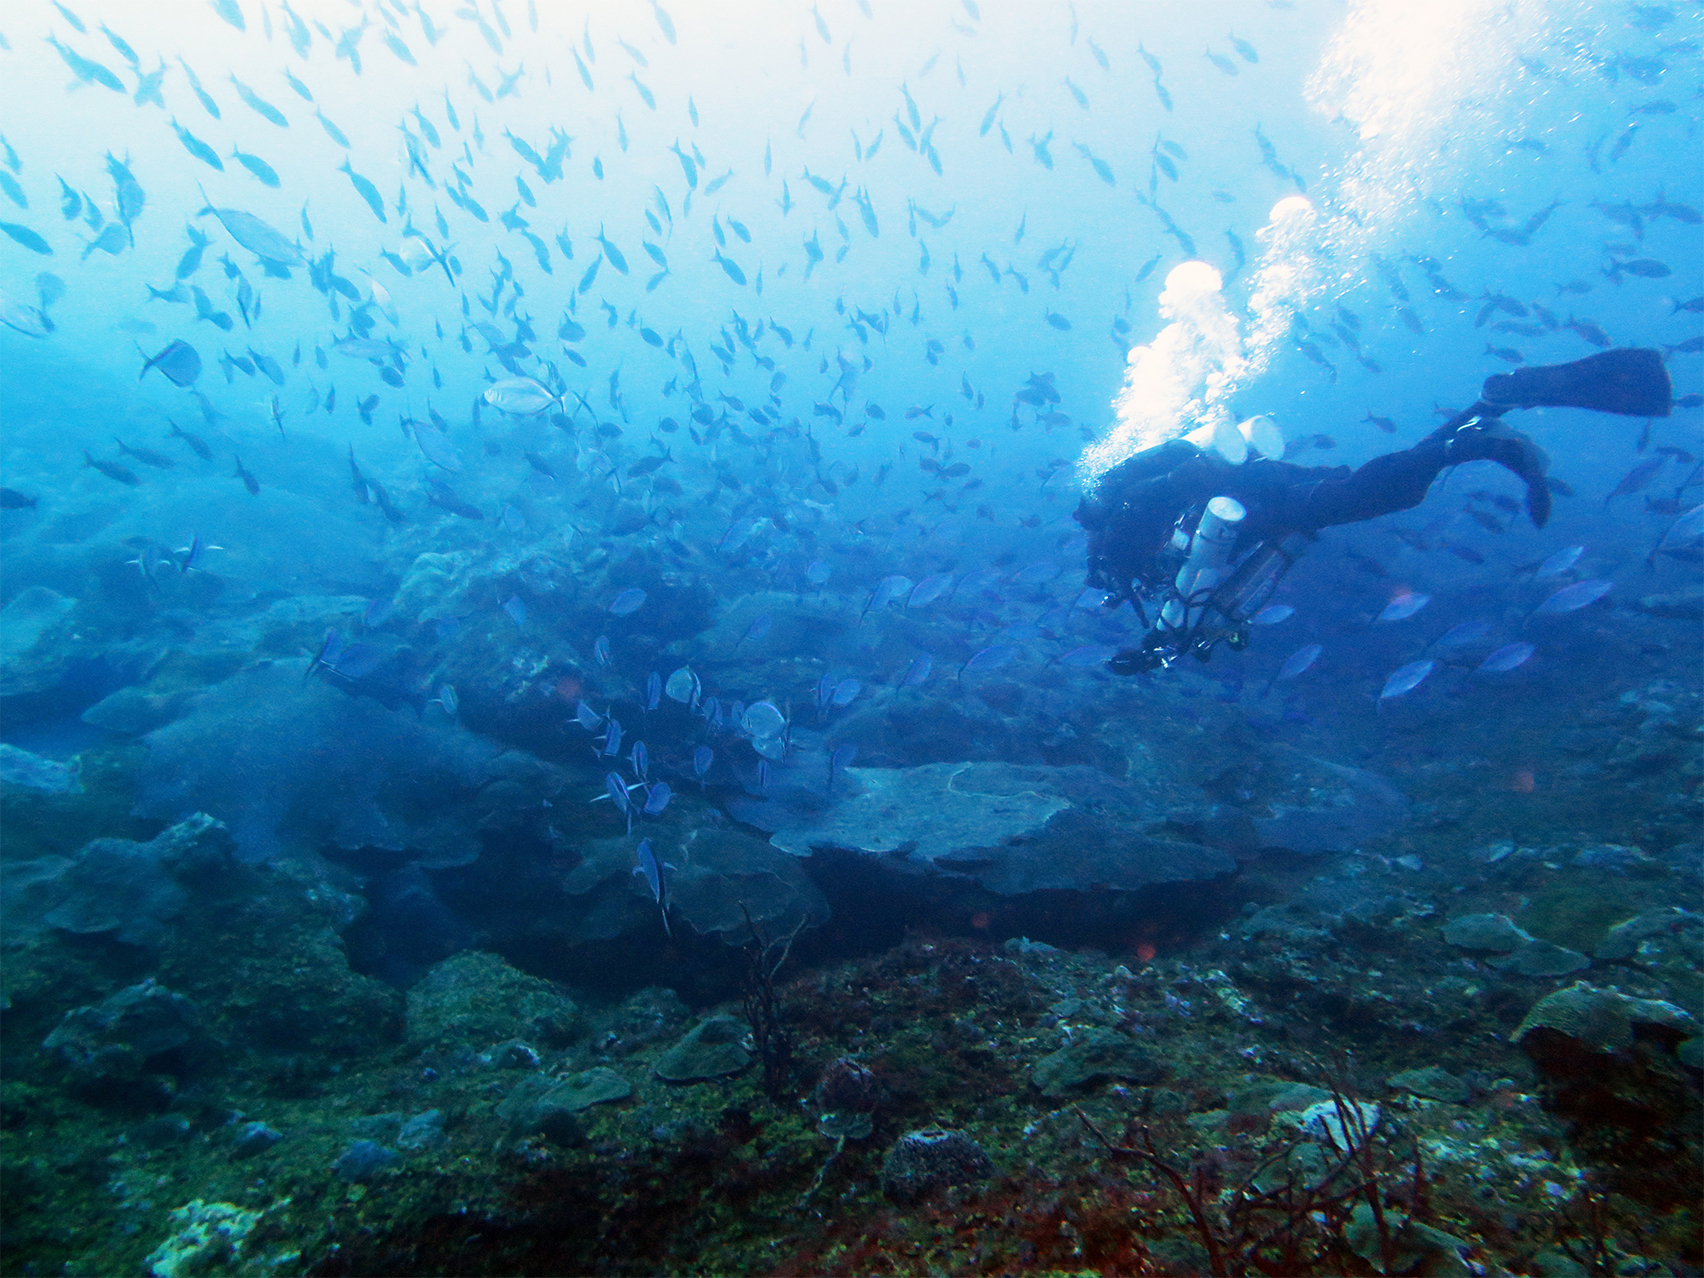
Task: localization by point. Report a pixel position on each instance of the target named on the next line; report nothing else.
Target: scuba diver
(1206, 540)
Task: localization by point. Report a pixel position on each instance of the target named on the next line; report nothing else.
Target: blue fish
(990, 658)
(839, 761)
(656, 878)
(1506, 658)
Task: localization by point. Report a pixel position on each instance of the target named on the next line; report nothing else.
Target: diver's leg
(1399, 481)
(1396, 481)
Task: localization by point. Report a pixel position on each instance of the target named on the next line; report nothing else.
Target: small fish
(1297, 663)
(1588, 331)
(249, 481)
(1559, 563)
(331, 130)
(628, 602)
(989, 658)
(1644, 267)
(366, 190)
(446, 700)
(86, 70)
(1637, 479)
(196, 147)
(1403, 606)
(262, 107)
(112, 470)
(1464, 634)
(1506, 658)
(444, 497)
(653, 871)
(12, 499)
(196, 443)
(178, 362)
(207, 103)
(257, 166)
(189, 557)
(1574, 597)
(147, 456)
(1405, 679)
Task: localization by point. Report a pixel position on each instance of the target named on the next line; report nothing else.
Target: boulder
(118, 1040)
(1602, 1021)
(209, 1239)
(594, 1086)
(540, 1106)
(1433, 1083)
(1014, 829)
(1541, 958)
(364, 1161)
(474, 999)
(134, 890)
(1415, 1247)
(1092, 1056)
(32, 625)
(1488, 933)
(714, 1048)
(33, 772)
(716, 876)
(287, 761)
(1646, 940)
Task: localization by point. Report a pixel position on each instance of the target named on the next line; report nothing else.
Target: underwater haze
(559, 711)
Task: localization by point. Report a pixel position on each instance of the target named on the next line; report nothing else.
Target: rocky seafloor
(1501, 1051)
(1176, 978)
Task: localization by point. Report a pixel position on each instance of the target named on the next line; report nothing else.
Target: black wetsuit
(1138, 502)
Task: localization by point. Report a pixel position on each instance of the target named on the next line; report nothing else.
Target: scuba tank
(1209, 553)
(1213, 596)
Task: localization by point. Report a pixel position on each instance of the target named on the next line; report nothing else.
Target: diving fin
(1631, 381)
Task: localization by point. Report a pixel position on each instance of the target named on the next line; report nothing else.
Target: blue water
(768, 291)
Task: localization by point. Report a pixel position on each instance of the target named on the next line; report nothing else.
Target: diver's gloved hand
(1491, 439)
